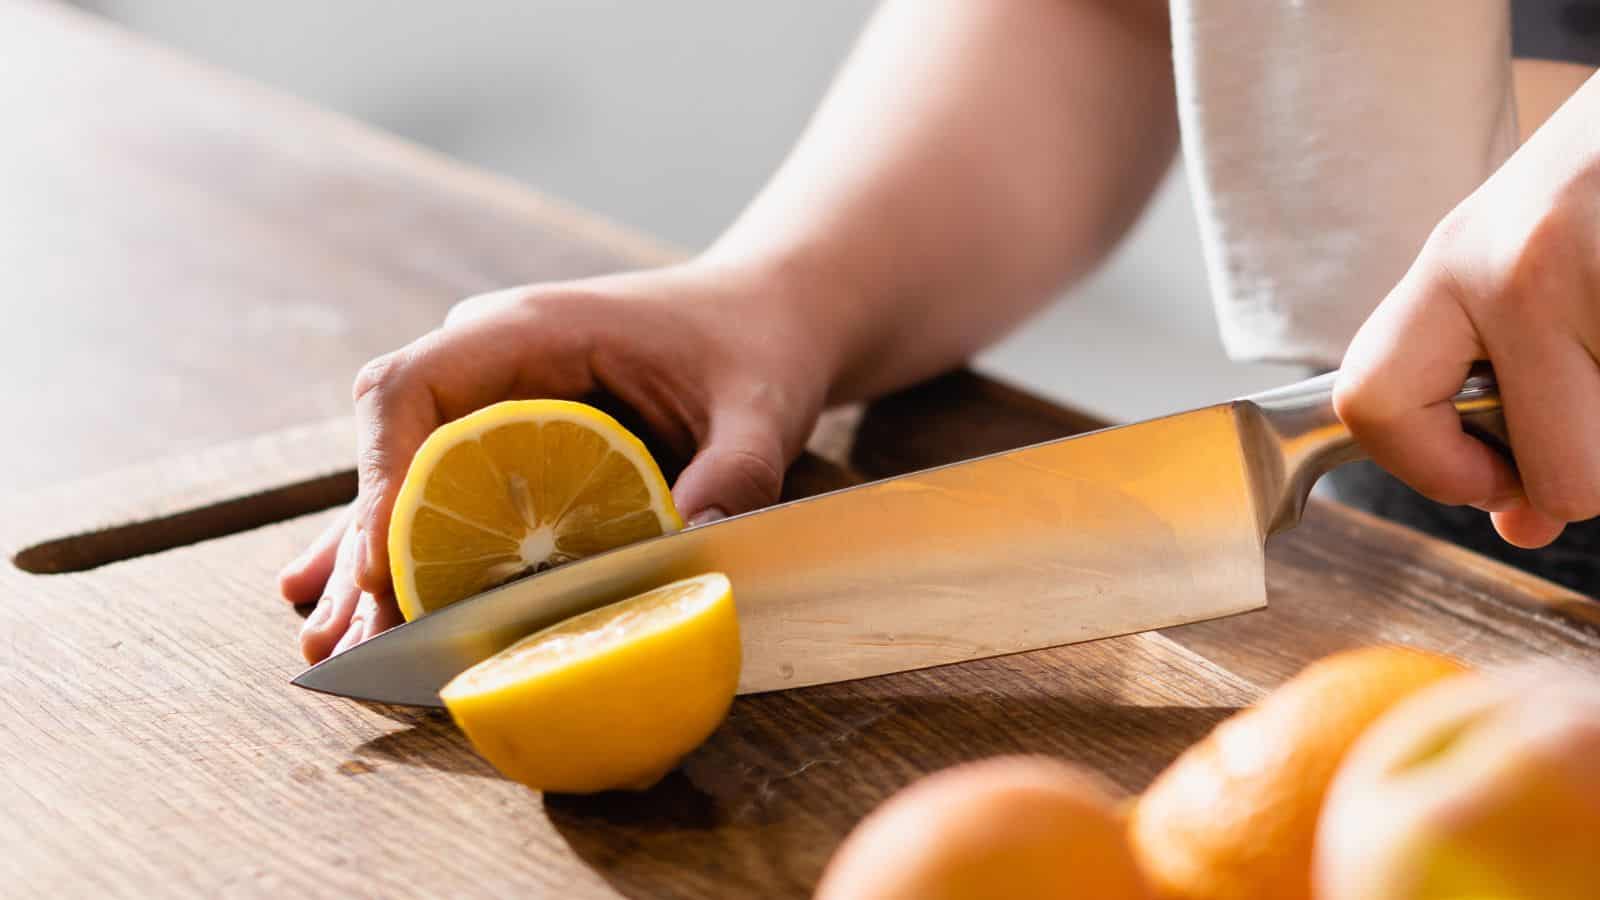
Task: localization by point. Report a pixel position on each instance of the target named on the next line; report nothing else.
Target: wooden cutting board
(151, 740)
(198, 259)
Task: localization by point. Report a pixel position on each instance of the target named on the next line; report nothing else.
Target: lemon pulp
(517, 487)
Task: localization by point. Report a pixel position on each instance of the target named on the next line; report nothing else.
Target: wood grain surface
(190, 258)
(151, 743)
(200, 261)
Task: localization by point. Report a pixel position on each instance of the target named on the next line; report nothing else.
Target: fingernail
(707, 516)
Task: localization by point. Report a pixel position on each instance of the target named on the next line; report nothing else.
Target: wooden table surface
(194, 260)
(190, 258)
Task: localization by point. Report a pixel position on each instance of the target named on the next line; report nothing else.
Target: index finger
(1395, 389)
(403, 396)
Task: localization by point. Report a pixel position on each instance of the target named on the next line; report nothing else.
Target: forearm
(972, 158)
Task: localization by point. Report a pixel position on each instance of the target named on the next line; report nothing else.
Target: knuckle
(462, 309)
(1565, 500)
(551, 306)
(371, 466)
(529, 310)
(1451, 232)
(1560, 229)
(758, 473)
(1539, 265)
(1357, 404)
(1347, 403)
(378, 374)
(479, 305)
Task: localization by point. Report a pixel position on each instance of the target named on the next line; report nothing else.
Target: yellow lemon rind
(619, 716)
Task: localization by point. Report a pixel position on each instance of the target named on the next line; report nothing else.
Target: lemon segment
(609, 699)
(514, 488)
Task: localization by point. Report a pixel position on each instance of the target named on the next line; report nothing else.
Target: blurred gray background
(668, 117)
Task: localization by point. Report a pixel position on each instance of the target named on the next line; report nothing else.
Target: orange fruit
(1480, 786)
(1017, 827)
(1235, 816)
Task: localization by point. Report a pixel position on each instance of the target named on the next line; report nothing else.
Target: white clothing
(1323, 140)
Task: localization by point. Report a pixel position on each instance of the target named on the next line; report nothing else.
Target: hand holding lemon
(713, 358)
(609, 699)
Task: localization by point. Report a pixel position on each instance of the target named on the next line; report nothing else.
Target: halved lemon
(516, 487)
(609, 699)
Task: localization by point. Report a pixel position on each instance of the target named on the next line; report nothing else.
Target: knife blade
(1125, 529)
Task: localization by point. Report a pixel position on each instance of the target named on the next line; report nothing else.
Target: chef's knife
(1121, 530)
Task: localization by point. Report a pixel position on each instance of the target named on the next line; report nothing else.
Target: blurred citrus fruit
(516, 487)
(1482, 786)
(1234, 817)
(1018, 827)
(609, 699)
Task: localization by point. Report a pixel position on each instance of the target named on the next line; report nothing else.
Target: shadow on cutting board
(432, 741)
(760, 807)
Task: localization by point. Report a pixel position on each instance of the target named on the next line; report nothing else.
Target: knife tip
(322, 679)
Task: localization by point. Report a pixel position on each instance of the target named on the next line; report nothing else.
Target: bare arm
(971, 159)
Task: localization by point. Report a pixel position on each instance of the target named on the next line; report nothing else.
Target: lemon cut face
(514, 488)
(610, 699)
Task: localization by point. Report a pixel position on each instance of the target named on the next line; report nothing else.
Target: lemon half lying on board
(609, 699)
(516, 487)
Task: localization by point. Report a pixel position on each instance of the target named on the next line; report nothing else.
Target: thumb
(739, 468)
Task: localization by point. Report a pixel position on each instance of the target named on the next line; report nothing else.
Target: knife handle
(1300, 438)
